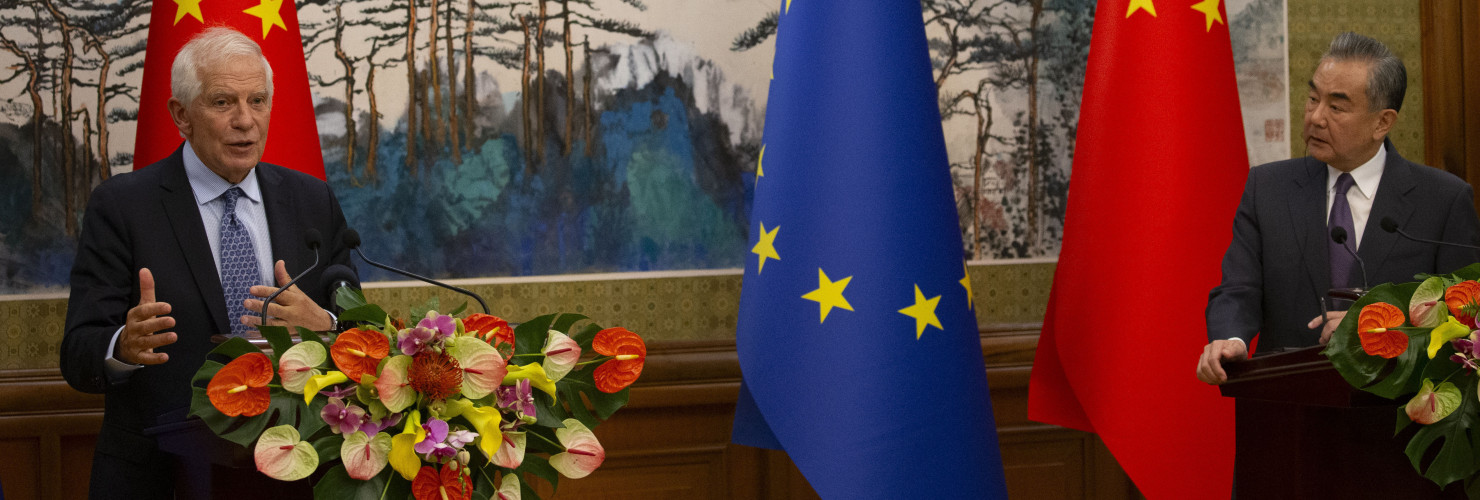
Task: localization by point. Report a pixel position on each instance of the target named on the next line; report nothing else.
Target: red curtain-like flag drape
(1159, 165)
(293, 137)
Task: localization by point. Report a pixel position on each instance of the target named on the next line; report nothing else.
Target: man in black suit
(162, 266)
(1283, 257)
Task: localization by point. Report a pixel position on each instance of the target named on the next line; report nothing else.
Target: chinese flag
(293, 137)
(1159, 166)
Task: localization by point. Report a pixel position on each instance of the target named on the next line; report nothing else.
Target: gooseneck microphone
(1391, 226)
(1338, 235)
(351, 240)
(314, 239)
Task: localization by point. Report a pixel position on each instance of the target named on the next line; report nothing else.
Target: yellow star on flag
(269, 11)
(1209, 8)
(924, 312)
(191, 7)
(966, 282)
(788, 6)
(760, 171)
(1145, 5)
(829, 294)
(766, 247)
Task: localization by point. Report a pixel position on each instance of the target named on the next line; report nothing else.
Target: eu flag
(856, 336)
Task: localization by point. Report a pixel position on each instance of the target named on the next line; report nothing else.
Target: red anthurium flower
(240, 387)
(630, 352)
(357, 352)
(1375, 324)
(1463, 300)
(449, 484)
(489, 328)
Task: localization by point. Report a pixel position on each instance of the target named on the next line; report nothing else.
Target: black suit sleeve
(1235, 305)
(1462, 225)
(104, 287)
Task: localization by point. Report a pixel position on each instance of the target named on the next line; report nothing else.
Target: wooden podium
(1303, 432)
(210, 467)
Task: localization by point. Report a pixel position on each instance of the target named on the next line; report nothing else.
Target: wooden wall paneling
(1450, 33)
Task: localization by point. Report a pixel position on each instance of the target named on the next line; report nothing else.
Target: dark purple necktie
(1341, 216)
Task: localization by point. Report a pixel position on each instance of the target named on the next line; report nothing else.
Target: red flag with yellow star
(1159, 166)
(293, 137)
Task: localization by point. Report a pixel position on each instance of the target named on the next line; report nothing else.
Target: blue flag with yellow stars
(857, 336)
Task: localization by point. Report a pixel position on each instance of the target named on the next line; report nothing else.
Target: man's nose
(241, 116)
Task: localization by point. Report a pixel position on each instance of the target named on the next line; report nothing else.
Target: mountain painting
(472, 138)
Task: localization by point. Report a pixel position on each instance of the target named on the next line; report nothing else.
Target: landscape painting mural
(470, 138)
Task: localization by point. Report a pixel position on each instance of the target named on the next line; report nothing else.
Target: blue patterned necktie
(1341, 216)
(238, 263)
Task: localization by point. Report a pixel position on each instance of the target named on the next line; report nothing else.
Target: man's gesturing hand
(138, 340)
(291, 308)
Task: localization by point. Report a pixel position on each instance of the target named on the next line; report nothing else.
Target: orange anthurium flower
(490, 328)
(630, 352)
(1374, 326)
(449, 484)
(1463, 300)
(240, 387)
(357, 352)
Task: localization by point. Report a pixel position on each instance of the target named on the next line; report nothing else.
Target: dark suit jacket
(1278, 266)
(149, 218)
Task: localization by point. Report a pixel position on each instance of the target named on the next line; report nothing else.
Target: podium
(1303, 432)
(210, 467)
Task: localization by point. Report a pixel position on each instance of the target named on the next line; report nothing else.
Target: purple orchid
(343, 418)
(340, 391)
(434, 445)
(414, 339)
(518, 398)
(372, 427)
(442, 324)
(461, 437)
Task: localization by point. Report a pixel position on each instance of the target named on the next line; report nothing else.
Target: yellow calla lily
(403, 447)
(536, 375)
(485, 420)
(1442, 334)
(319, 382)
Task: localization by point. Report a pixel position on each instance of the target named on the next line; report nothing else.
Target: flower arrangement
(1417, 342)
(442, 408)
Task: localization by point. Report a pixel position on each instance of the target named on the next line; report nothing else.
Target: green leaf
(1389, 378)
(328, 447)
(349, 298)
(459, 310)
(585, 335)
(419, 312)
(337, 485)
(368, 313)
(529, 336)
(1455, 458)
(563, 322)
(540, 467)
(583, 382)
(547, 412)
(277, 338)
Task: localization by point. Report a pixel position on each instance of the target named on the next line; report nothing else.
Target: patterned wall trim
(692, 307)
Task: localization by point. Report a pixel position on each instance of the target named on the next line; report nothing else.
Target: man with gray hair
(1308, 225)
(182, 251)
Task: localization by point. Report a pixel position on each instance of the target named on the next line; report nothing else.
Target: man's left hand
(292, 308)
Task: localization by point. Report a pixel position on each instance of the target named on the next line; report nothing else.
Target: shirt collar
(1367, 176)
(208, 186)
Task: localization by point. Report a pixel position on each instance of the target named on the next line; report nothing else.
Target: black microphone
(1391, 226)
(351, 239)
(338, 276)
(1338, 235)
(313, 238)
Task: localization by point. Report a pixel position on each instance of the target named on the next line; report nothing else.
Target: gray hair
(1387, 79)
(210, 48)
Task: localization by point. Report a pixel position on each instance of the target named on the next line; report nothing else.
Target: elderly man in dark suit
(182, 250)
(1283, 257)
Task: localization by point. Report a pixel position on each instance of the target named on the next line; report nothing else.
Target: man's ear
(177, 113)
(1385, 121)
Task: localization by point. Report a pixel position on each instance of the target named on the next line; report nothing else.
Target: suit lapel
(1308, 213)
(1392, 201)
(184, 219)
(282, 226)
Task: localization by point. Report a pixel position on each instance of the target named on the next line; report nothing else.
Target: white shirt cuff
(116, 369)
(1241, 342)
